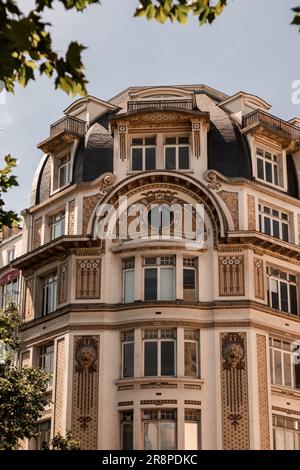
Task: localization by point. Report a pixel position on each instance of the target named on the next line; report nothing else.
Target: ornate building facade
(166, 341)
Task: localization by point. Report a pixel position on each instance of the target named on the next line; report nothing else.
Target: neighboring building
(166, 342)
(10, 278)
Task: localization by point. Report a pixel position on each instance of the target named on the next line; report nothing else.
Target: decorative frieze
(259, 287)
(231, 275)
(196, 127)
(123, 141)
(234, 391)
(264, 424)
(85, 389)
(251, 212)
(63, 283)
(59, 387)
(36, 235)
(232, 202)
(88, 273)
(71, 219)
(89, 204)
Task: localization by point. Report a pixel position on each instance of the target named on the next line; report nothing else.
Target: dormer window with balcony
(177, 153)
(64, 171)
(143, 153)
(273, 222)
(268, 166)
(57, 225)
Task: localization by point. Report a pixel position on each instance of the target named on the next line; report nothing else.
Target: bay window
(128, 354)
(189, 279)
(177, 153)
(160, 429)
(191, 429)
(282, 291)
(267, 166)
(159, 278)
(49, 298)
(128, 280)
(191, 353)
(286, 433)
(273, 222)
(46, 354)
(159, 352)
(127, 430)
(284, 363)
(143, 153)
(57, 225)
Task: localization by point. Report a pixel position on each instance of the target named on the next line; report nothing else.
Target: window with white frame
(191, 353)
(282, 290)
(267, 166)
(159, 352)
(49, 298)
(43, 434)
(284, 363)
(10, 255)
(143, 153)
(273, 222)
(46, 355)
(189, 279)
(64, 171)
(128, 280)
(57, 225)
(159, 278)
(127, 430)
(128, 354)
(160, 217)
(177, 153)
(192, 425)
(10, 293)
(286, 433)
(160, 429)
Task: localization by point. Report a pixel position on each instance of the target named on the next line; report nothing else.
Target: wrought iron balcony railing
(68, 124)
(272, 123)
(184, 104)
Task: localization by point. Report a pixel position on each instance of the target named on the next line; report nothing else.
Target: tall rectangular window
(43, 435)
(128, 280)
(10, 255)
(177, 153)
(192, 429)
(46, 354)
(160, 429)
(57, 225)
(189, 279)
(143, 153)
(286, 433)
(128, 354)
(64, 171)
(191, 353)
(159, 278)
(284, 363)
(49, 300)
(282, 291)
(10, 293)
(159, 352)
(273, 222)
(127, 430)
(267, 166)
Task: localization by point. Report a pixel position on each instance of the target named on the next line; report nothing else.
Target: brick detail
(89, 204)
(28, 302)
(63, 283)
(88, 278)
(263, 404)
(71, 227)
(196, 126)
(84, 421)
(259, 287)
(231, 275)
(251, 212)
(232, 202)
(59, 387)
(234, 391)
(36, 236)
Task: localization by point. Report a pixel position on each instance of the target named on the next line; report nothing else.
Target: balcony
(270, 126)
(159, 105)
(62, 133)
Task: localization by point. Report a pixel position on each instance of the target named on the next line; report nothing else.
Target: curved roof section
(44, 181)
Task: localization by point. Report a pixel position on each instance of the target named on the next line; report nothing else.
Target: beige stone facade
(183, 339)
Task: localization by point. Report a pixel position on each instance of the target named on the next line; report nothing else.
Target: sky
(251, 47)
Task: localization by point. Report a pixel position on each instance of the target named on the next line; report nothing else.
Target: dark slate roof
(44, 181)
(94, 155)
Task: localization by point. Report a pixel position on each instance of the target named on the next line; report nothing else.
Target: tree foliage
(7, 181)
(62, 443)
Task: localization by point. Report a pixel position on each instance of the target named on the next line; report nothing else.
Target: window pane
(287, 370)
(293, 300)
(150, 358)
(285, 232)
(275, 228)
(278, 367)
(284, 297)
(167, 284)
(191, 436)
(151, 436)
(137, 159)
(167, 358)
(150, 159)
(127, 436)
(274, 294)
(129, 286)
(170, 140)
(167, 436)
(267, 222)
(189, 285)
(276, 175)
(190, 359)
(183, 140)
(279, 439)
(269, 176)
(184, 158)
(150, 284)
(150, 141)
(128, 360)
(170, 158)
(297, 375)
(260, 169)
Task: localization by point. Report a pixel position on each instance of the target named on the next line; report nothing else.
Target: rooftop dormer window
(177, 153)
(57, 225)
(267, 166)
(64, 172)
(143, 153)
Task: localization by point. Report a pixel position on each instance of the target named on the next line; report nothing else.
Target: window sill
(270, 185)
(283, 390)
(160, 379)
